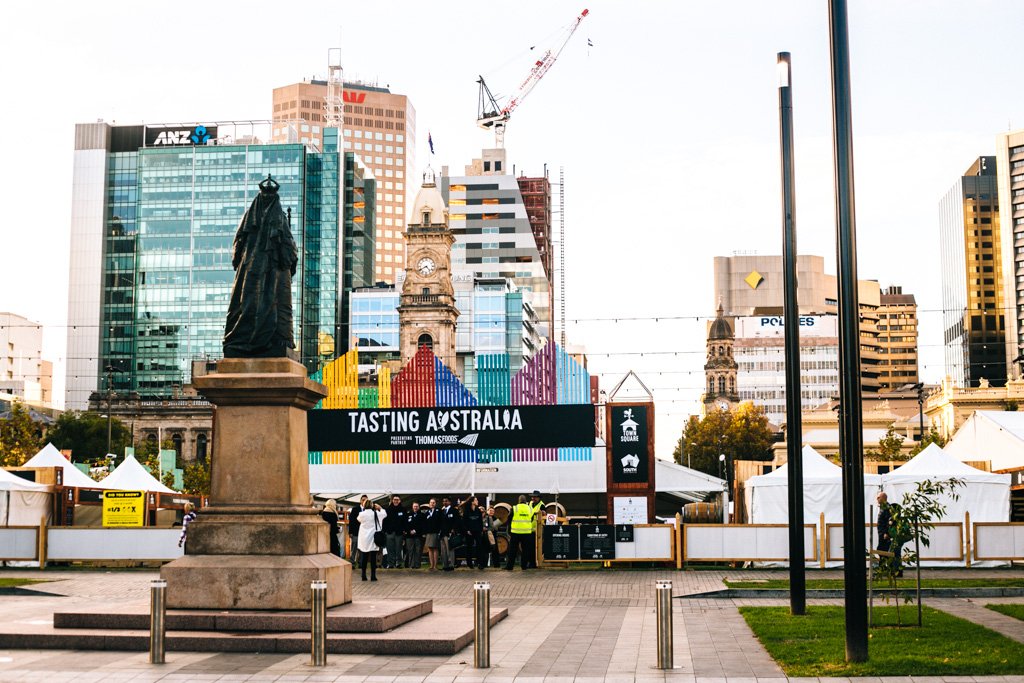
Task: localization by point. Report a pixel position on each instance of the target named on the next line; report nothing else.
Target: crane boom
(491, 115)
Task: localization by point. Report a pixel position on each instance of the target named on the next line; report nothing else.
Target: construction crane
(491, 115)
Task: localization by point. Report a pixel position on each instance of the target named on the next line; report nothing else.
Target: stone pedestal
(260, 543)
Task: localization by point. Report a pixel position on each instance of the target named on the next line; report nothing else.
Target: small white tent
(51, 457)
(132, 476)
(985, 495)
(22, 502)
(993, 435)
(767, 495)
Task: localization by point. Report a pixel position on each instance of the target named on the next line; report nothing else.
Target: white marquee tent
(49, 456)
(130, 475)
(767, 495)
(993, 435)
(985, 495)
(22, 502)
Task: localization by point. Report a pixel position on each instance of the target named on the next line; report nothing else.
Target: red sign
(353, 97)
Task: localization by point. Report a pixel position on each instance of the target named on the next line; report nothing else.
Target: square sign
(628, 436)
(124, 508)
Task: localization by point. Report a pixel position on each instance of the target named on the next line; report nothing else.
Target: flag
(590, 43)
(430, 141)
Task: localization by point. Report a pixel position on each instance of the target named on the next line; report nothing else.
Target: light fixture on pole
(791, 330)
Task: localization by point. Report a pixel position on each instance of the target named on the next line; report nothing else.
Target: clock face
(425, 266)
(722, 405)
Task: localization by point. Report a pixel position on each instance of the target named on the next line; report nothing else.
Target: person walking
(190, 516)
(353, 530)
(394, 531)
(884, 525)
(473, 522)
(414, 526)
(432, 532)
(450, 533)
(521, 538)
(330, 515)
(370, 520)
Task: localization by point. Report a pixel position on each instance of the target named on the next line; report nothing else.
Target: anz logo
(199, 135)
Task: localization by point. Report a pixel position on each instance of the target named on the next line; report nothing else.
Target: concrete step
(444, 631)
(363, 616)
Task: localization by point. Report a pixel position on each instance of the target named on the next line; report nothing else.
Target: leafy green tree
(890, 447)
(932, 437)
(85, 435)
(742, 433)
(148, 454)
(196, 478)
(20, 437)
(168, 480)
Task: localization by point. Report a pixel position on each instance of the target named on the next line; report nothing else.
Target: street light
(920, 410)
(721, 466)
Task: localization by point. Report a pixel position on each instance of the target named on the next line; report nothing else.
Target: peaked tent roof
(672, 477)
(51, 457)
(934, 463)
(12, 482)
(816, 470)
(130, 475)
(993, 435)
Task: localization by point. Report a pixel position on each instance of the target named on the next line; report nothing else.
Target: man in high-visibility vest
(537, 505)
(521, 537)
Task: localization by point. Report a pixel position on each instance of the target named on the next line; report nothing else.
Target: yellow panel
(341, 377)
(383, 387)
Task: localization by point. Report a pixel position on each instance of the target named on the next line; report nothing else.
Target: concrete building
(948, 406)
(897, 337)
(494, 234)
(24, 375)
(752, 285)
(1010, 185)
(380, 128)
(154, 213)
(973, 294)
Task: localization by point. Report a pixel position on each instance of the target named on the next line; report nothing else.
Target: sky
(666, 126)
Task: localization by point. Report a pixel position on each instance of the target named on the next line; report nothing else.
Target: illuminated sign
(171, 137)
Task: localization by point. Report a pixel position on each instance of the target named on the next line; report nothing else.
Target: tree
(148, 454)
(20, 437)
(742, 433)
(932, 437)
(196, 478)
(85, 435)
(168, 479)
(890, 447)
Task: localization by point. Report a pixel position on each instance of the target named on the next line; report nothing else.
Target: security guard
(521, 538)
(537, 505)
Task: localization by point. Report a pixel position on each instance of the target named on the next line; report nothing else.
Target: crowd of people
(446, 535)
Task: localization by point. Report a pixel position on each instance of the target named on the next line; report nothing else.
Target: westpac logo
(353, 97)
(165, 137)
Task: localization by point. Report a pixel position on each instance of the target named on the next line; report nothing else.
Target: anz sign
(170, 137)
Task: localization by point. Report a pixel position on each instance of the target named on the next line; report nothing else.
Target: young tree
(742, 433)
(168, 480)
(148, 454)
(196, 478)
(890, 447)
(932, 437)
(85, 435)
(20, 437)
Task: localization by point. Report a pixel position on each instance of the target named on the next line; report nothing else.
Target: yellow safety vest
(522, 519)
(538, 508)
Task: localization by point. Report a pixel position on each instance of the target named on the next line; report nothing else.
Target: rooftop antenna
(334, 102)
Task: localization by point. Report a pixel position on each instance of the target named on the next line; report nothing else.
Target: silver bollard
(482, 625)
(318, 624)
(663, 610)
(157, 620)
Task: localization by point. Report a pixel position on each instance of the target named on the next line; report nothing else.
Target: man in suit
(451, 525)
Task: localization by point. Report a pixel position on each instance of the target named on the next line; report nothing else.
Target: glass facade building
(170, 211)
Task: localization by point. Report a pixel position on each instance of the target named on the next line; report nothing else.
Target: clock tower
(426, 309)
(720, 368)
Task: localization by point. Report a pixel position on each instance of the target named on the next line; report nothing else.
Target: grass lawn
(13, 583)
(814, 644)
(907, 582)
(1016, 611)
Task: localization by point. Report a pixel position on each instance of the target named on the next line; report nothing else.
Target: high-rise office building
(972, 278)
(494, 236)
(380, 128)
(897, 337)
(1010, 184)
(752, 285)
(154, 213)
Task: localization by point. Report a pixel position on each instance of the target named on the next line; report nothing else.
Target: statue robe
(259, 322)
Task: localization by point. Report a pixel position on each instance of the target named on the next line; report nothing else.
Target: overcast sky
(667, 128)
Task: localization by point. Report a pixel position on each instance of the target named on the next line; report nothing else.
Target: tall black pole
(791, 316)
(851, 436)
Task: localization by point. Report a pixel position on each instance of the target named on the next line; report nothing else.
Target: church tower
(720, 368)
(426, 310)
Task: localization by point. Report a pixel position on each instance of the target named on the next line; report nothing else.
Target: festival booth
(767, 495)
(49, 456)
(23, 502)
(992, 436)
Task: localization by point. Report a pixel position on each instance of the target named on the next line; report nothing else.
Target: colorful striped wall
(551, 377)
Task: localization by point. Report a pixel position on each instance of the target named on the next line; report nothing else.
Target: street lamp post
(110, 398)
(791, 330)
(721, 469)
(920, 411)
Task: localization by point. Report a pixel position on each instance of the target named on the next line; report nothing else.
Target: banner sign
(561, 542)
(171, 136)
(597, 542)
(123, 508)
(451, 428)
(628, 444)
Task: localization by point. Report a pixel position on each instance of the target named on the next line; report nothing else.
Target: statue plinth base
(260, 543)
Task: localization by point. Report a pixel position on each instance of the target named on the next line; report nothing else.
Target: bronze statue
(259, 323)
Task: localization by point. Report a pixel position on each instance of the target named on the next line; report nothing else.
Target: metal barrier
(157, 620)
(482, 625)
(318, 623)
(663, 612)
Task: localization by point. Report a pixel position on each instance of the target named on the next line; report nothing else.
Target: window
(721, 385)
(425, 341)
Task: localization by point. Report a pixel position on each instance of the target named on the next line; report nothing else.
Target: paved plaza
(594, 625)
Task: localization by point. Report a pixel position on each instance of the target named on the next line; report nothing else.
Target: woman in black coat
(473, 519)
(330, 515)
